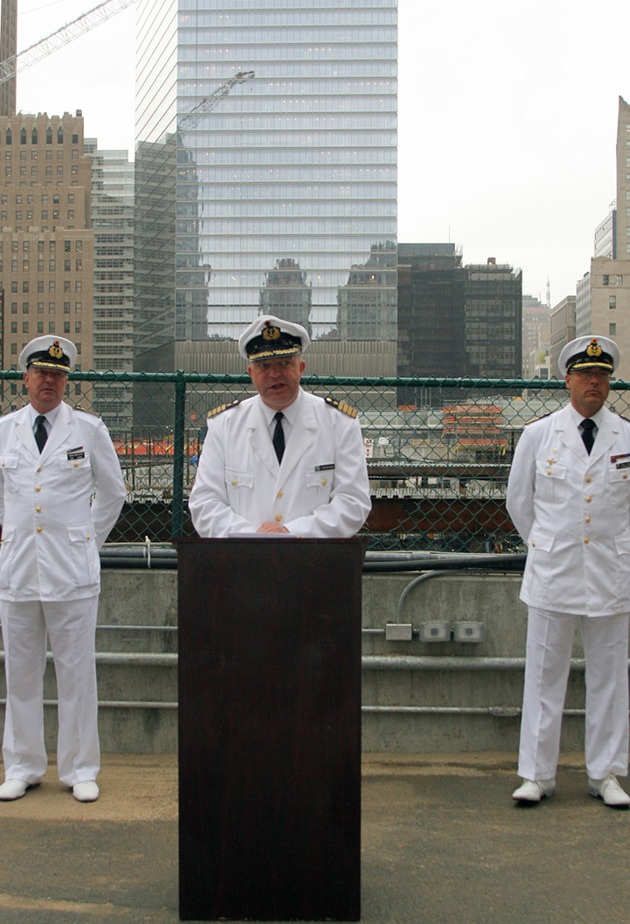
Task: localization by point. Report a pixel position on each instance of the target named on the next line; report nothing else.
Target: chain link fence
(438, 451)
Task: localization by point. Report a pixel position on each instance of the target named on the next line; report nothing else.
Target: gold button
(38, 487)
(588, 479)
(587, 520)
(76, 464)
(87, 536)
(625, 475)
(234, 482)
(533, 543)
(39, 469)
(588, 499)
(39, 529)
(587, 540)
(38, 509)
(324, 482)
(549, 471)
(278, 518)
(280, 494)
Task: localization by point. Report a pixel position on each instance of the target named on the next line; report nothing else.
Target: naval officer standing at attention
(284, 461)
(569, 498)
(61, 490)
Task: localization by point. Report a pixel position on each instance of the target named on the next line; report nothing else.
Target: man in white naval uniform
(569, 498)
(61, 490)
(302, 473)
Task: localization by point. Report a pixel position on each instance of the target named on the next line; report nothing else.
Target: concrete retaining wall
(418, 696)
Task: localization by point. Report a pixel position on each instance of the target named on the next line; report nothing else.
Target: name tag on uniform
(325, 468)
(75, 453)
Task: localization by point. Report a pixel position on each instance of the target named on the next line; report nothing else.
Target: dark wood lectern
(269, 729)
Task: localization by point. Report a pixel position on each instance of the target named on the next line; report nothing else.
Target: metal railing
(438, 462)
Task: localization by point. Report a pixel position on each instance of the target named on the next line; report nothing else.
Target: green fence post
(179, 428)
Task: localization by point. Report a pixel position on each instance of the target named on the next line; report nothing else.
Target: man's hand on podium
(269, 527)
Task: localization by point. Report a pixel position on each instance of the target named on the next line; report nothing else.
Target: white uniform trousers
(71, 628)
(550, 638)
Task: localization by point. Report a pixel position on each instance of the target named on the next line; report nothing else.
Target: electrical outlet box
(435, 631)
(398, 632)
(468, 631)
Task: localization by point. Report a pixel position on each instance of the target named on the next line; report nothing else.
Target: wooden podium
(269, 729)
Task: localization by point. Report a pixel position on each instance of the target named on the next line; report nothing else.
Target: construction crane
(64, 35)
(208, 103)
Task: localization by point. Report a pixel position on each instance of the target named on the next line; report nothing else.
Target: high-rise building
(8, 49)
(562, 331)
(536, 333)
(623, 181)
(494, 304)
(112, 223)
(605, 244)
(430, 316)
(265, 169)
(603, 297)
(454, 320)
(46, 242)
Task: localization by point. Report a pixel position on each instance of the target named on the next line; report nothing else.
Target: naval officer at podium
(284, 460)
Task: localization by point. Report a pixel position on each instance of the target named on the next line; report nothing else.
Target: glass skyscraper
(265, 168)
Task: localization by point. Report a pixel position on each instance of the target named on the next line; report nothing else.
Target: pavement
(442, 841)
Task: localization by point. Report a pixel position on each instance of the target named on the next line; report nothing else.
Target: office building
(493, 329)
(112, 223)
(453, 320)
(8, 49)
(46, 242)
(623, 181)
(431, 318)
(536, 334)
(605, 243)
(603, 294)
(610, 306)
(562, 331)
(265, 170)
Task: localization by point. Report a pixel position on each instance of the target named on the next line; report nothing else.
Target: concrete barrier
(443, 657)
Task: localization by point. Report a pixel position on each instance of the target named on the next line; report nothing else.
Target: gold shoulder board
(341, 406)
(535, 419)
(223, 407)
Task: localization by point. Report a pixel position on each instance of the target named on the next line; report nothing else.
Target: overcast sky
(507, 119)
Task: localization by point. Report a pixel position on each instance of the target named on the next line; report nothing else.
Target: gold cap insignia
(594, 349)
(55, 350)
(270, 333)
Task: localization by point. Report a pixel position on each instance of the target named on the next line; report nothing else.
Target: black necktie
(588, 437)
(40, 431)
(278, 435)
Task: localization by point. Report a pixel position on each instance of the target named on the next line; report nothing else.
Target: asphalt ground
(442, 841)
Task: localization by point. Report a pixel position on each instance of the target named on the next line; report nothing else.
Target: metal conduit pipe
(439, 663)
(147, 555)
(495, 711)
(502, 712)
(437, 571)
(368, 662)
(467, 560)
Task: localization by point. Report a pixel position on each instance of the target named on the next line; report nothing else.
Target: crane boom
(208, 103)
(64, 35)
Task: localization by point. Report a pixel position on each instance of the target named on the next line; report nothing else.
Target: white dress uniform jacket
(320, 490)
(573, 511)
(56, 508)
